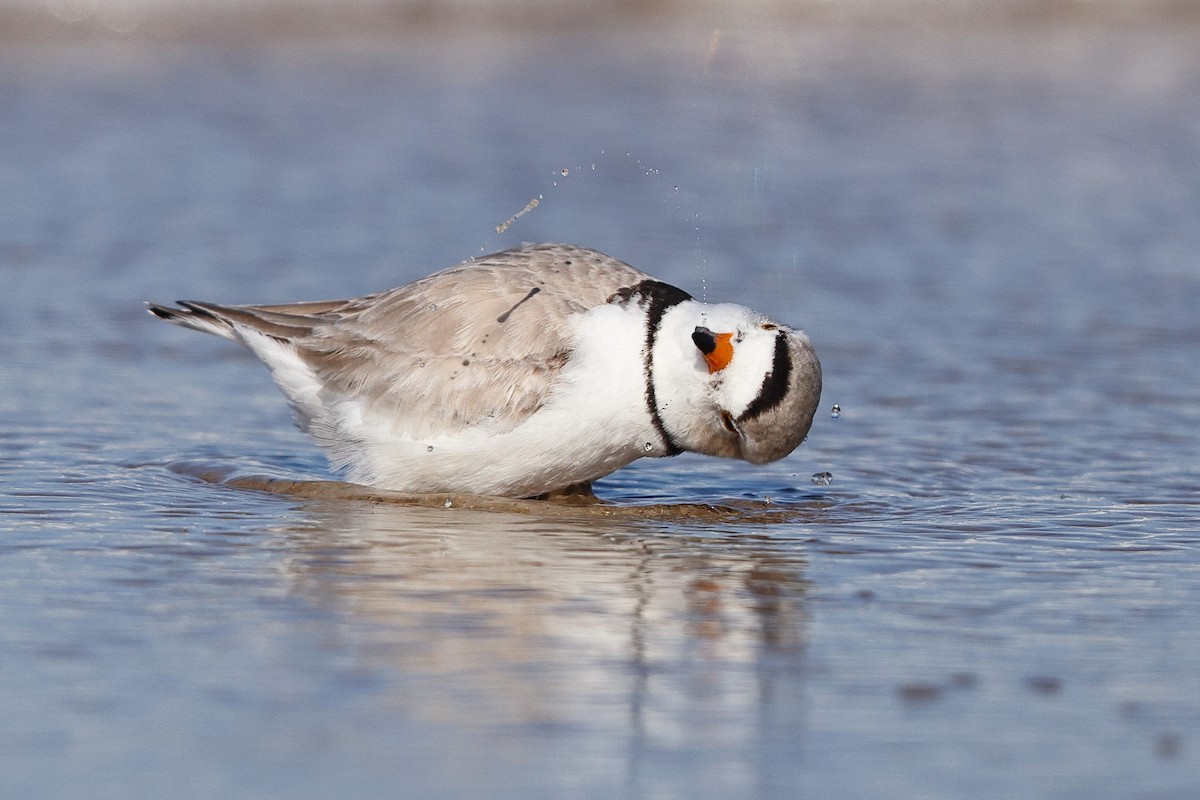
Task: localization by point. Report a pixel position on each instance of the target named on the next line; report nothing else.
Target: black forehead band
(775, 384)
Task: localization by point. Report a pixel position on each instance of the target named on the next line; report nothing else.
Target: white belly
(594, 422)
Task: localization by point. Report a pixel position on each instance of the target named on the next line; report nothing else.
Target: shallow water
(991, 236)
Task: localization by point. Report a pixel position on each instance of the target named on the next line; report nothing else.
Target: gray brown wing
(480, 343)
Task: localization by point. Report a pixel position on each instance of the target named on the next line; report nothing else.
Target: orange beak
(717, 348)
(722, 354)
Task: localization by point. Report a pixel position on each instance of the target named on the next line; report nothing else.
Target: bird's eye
(770, 326)
(727, 421)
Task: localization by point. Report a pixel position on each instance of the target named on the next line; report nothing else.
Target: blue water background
(991, 233)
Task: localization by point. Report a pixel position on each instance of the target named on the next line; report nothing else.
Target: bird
(527, 373)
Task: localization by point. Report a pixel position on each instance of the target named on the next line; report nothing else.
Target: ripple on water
(995, 596)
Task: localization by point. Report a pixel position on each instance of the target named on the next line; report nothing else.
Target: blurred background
(986, 214)
(318, 17)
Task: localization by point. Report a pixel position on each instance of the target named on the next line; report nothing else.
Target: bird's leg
(577, 494)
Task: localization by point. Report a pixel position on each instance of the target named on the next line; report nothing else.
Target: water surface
(991, 237)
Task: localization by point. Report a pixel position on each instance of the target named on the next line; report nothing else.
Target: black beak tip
(704, 339)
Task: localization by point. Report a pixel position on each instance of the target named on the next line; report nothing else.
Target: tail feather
(270, 334)
(194, 316)
(225, 321)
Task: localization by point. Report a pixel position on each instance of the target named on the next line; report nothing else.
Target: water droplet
(429, 449)
(647, 447)
(433, 306)
(447, 504)
(564, 172)
(822, 478)
(836, 411)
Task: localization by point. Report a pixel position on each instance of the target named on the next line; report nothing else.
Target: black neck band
(657, 297)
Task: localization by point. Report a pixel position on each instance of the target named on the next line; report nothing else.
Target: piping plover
(527, 372)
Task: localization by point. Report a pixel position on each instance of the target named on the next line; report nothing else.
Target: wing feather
(482, 343)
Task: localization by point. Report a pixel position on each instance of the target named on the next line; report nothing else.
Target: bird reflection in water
(500, 620)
